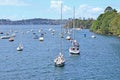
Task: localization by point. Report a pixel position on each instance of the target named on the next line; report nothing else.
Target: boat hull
(41, 39)
(74, 52)
(93, 36)
(5, 37)
(68, 38)
(19, 48)
(11, 40)
(60, 65)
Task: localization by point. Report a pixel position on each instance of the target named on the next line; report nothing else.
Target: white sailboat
(74, 49)
(68, 37)
(60, 60)
(20, 47)
(68, 32)
(93, 36)
(41, 38)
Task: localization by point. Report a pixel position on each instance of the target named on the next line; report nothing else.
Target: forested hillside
(35, 21)
(79, 23)
(107, 23)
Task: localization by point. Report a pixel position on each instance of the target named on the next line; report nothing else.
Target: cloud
(84, 6)
(96, 9)
(13, 3)
(55, 5)
(66, 8)
(83, 10)
(88, 11)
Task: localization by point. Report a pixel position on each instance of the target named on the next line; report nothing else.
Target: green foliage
(107, 23)
(115, 25)
(79, 23)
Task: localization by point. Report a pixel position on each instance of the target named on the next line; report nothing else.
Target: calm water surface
(99, 58)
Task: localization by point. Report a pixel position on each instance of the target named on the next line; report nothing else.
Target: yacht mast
(61, 30)
(74, 22)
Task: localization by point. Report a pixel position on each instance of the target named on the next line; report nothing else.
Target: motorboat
(11, 39)
(5, 37)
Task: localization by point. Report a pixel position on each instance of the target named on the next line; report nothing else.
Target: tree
(107, 23)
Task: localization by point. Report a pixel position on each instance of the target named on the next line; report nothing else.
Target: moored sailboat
(20, 47)
(60, 60)
(68, 32)
(68, 37)
(93, 36)
(74, 49)
(41, 38)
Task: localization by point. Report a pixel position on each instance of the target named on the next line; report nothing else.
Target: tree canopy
(79, 23)
(107, 23)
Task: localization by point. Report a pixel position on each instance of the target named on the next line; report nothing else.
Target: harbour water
(99, 57)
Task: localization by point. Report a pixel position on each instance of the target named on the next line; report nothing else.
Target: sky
(51, 9)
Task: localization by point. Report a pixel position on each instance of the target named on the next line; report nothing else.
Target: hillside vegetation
(35, 21)
(107, 23)
(79, 23)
